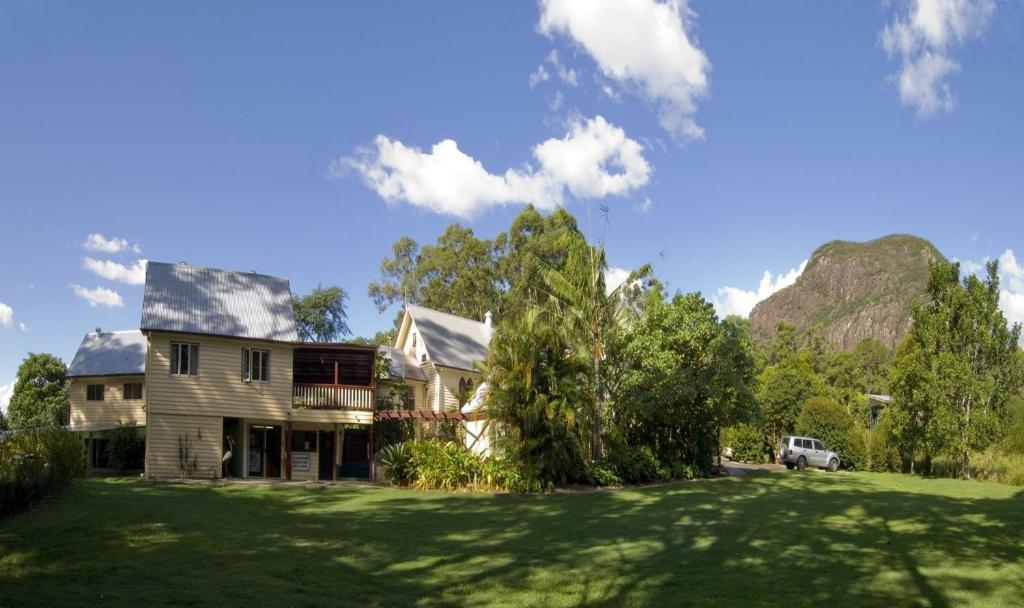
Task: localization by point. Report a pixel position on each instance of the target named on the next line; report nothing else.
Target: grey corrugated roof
(451, 341)
(403, 365)
(198, 300)
(110, 354)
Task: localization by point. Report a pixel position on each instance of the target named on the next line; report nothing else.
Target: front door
(326, 456)
(355, 453)
(264, 451)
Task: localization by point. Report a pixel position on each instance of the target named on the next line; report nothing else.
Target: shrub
(398, 460)
(746, 442)
(994, 464)
(604, 475)
(885, 454)
(36, 464)
(853, 452)
(636, 465)
(450, 466)
(126, 447)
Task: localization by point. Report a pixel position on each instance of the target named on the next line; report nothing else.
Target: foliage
(126, 447)
(636, 465)
(854, 451)
(321, 316)
(536, 398)
(603, 474)
(40, 395)
(993, 464)
(782, 390)
(679, 376)
(188, 460)
(1013, 437)
(36, 464)
(885, 454)
(746, 441)
(392, 394)
(958, 368)
(439, 465)
(398, 460)
(826, 420)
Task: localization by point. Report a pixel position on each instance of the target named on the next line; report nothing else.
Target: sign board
(300, 461)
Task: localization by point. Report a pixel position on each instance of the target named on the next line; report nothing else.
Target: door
(264, 451)
(355, 453)
(819, 454)
(326, 472)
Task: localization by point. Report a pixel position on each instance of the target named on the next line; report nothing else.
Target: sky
(727, 140)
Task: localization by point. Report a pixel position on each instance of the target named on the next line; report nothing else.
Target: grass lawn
(779, 539)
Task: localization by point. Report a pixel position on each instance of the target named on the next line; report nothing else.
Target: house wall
(218, 388)
(449, 387)
(103, 415)
(162, 442)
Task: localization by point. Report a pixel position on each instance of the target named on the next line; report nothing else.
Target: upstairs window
(94, 392)
(184, 359)
(255, 365)
(131, 391)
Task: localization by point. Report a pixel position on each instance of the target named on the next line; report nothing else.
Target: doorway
(355, 453)
(264, 451)
(326, 472)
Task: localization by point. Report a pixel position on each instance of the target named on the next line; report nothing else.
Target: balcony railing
(332, 397)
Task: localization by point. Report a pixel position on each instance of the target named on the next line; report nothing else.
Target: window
(184, 359)
(303, 441)
(132, 391)
(94, 392)
(414, 342)
(805, 444)
(255, 365)
(818, 445)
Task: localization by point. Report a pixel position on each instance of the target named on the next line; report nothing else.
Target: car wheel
(833, 465)
(801, 463)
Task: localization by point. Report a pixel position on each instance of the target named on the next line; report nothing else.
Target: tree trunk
(596, 448)
(967, 465)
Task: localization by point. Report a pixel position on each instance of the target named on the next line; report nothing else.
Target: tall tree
(964, 366)
(783, 389)
(682, 376)
(40, 395)
(321, 316)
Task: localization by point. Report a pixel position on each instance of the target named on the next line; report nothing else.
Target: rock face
(851, 291)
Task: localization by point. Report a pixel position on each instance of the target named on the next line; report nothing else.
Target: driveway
(741, 468)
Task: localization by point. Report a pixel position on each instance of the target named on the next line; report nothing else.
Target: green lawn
(779, 539)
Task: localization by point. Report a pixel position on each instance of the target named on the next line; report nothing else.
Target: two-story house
(217, 368)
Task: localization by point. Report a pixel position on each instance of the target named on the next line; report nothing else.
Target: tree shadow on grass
(790, 539)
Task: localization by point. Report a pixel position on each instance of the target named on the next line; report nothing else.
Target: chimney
(487, 319)
(99, 331)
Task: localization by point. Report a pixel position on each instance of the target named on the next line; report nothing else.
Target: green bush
(442, 465)
(885, 453)
(746, 442)
(994, 464)
(636, 465)
(853, 452)
(37, 464)
(126, 447)
(398, 460)
(603, 475)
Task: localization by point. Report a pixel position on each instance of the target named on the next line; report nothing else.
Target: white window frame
(192, 369)
(255, 359)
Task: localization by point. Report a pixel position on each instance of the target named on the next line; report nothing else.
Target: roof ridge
(248, 272)
(441, 312)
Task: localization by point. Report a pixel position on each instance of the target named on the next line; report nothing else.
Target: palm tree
(587, 310)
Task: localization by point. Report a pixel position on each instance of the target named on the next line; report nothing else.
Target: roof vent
(99, 330)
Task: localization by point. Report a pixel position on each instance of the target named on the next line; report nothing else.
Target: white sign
(300, 461)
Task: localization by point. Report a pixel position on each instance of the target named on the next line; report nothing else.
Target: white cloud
(133, 275)
(100, 243)
(538, 76)
(22, 326)
(6, 392)
(98, 296)
(557, 102)
(923, 35)
(593, 160)
(613, 277)
(644, 44)
(6, 315)
(644, 206)
(1011, 283)
(565, 73)
(736, 301)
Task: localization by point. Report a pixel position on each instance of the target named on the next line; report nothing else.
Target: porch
(334, 377)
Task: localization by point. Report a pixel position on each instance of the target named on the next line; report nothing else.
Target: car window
(785, 442)
(805, 444)
(818, 445)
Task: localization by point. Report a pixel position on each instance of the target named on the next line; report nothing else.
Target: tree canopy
(321, 316)
(40, 395)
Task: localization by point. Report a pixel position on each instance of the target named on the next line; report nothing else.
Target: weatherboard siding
(218, 388)
(88, 415)
(162, 443)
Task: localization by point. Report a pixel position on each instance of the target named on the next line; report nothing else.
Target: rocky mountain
(851, 291)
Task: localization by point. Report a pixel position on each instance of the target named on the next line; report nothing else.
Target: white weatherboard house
(216, 367)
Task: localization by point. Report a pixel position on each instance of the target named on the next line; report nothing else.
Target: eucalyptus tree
(960, 365)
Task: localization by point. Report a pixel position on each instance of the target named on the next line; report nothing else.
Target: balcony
(334, 377)
(332, 397)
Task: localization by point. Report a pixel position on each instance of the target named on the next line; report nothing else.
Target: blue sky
(728, 139)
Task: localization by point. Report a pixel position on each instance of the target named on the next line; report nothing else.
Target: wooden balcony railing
(332, 397)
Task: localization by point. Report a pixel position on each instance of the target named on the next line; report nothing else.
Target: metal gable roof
(193, 299)
(403, 365)
(110, 354)
(451, 341)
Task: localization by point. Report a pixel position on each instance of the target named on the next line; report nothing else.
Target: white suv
(802, 452)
